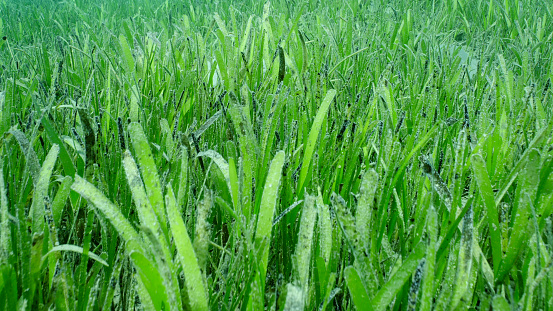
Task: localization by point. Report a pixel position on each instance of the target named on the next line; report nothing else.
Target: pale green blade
(422, 142)
(357, 290)
(152, 230)
(294, 298)
(112, 213)
(486, 193)
(202, 230)
(128, 61)
(313, 136)
(265, 224)
(143, 207)
(149, 172)
(428, 277)
(221, 164)
(520, 233)
(464, 261)
(249, 151)
(268, 204)
(29, 152)
(5, 234)
(183, 179)
(305, 241)
(146, 270)
(185, 254)
(325, 229)
(41, 190)
(538, 140)
(61, 198)
(501, 304)
(386, 294)
(234, 184)
(363, 214)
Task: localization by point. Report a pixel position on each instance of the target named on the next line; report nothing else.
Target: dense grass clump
(283, 155)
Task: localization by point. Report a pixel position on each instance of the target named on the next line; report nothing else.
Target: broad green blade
(164, 265)
(149, 172)
(357, 290)
(5, 233)
(325, 229)
(464, 261)
(61, 198)
(428, 277)
(266, 23)
(265, 223)
(183, 179)
(528, 186)
(486, 193)
(500, 304)
(246, 35)
(128, 61)
(221, 164)
(41, 190)
(346, 222)
(416, 285)
(186, 256)
(305, 241)
(294, 298)
(112, 213)
(385, 92)
(202, 230)
(29, 153)
(269, 202)
(305, 59)
(146, 300)
(363, 215)
(422, 142)
(234, 184)
(386, 294)
(221, 24)
(149, 275)
(313, 137)
(438, 184)
(143, 207)
(538, 140)
(223, 70)
(65, 159)
(249, 151)
(146, 214)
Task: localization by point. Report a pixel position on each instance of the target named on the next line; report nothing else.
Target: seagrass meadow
(283, 155)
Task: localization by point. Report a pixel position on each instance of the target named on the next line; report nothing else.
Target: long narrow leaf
(519, 235)
(149, 172)
(386, 294)
(41, 191)
(185, 255)
(481, 173)
(150, 276)
(265, 219)
(357, 290)
(313, 136)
